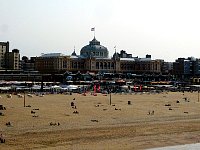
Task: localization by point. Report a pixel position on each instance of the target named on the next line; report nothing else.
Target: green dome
(94, 49)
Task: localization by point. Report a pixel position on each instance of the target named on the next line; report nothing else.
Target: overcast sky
(166, 29)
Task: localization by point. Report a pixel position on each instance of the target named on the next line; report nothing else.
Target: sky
(165, 29)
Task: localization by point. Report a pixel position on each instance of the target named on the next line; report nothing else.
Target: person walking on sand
(152, 112)
(2, 140)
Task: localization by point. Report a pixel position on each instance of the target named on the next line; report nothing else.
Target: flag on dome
(92, 29)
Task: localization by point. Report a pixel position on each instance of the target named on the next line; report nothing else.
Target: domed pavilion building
(95, 58)
(94, 49)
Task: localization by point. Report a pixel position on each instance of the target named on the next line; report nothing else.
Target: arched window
(101, 65)
(112, 65)
(97, 65)
(105, 65)
(108, 65)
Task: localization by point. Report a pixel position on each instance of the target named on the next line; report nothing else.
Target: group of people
(151, 112)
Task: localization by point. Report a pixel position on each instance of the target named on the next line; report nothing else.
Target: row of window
(96, 54)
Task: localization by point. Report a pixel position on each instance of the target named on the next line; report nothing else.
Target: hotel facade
(95, 58)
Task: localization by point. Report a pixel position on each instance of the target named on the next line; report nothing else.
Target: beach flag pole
(110, 96)
(198, 95)
(24, 100)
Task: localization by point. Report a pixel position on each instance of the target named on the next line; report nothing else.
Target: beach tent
(72, 87)
(124, 87)
(5, 88)
(55, 87)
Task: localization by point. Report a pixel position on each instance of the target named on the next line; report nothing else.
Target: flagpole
(94, 31)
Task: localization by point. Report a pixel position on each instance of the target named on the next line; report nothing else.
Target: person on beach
(2, 140)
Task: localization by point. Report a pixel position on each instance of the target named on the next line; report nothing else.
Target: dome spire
(115, 55)
(94, 42)
(74, 53)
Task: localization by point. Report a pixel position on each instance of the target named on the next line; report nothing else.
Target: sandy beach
(50, 122)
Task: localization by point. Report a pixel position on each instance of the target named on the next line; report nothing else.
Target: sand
(98, 125)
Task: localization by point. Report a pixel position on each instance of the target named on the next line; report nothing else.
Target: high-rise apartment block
(9, 60)
(13, 60)
(186, 67)
(4, 49)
